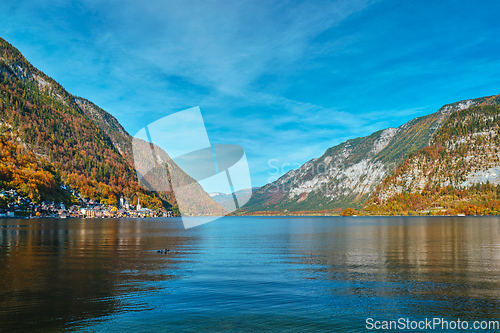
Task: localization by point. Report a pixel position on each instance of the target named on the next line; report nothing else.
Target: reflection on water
(55, 271)
(245, 273)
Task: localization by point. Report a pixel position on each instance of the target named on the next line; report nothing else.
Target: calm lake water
(245, 274)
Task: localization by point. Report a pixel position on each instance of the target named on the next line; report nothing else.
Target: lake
(246, 274)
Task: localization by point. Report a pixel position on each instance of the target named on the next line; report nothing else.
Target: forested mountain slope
(86, 146)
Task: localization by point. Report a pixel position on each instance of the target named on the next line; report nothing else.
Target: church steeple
(138, 203)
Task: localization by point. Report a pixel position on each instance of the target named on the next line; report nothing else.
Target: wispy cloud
(229, 45)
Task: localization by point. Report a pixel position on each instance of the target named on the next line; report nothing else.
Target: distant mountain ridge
(227, 200)
(347, 174)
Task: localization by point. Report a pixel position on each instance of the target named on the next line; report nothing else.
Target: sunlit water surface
(245, 274)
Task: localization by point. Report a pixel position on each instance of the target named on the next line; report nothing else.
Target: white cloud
(226, 44)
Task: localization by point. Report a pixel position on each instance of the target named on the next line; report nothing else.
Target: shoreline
(164, 217)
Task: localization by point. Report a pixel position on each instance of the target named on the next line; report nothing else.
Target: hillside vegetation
(69, 140)
(458, 174)
(41, 115)
(32, 176)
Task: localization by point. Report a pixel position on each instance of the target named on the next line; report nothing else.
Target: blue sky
(283, 79)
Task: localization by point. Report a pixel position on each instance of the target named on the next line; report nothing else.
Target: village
(21, 207)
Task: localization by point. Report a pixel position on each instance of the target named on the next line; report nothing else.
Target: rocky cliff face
(347, 174)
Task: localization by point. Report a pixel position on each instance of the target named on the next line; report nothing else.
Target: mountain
(227, 200)
(458, 173)
(85, 147)
(347, 174)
